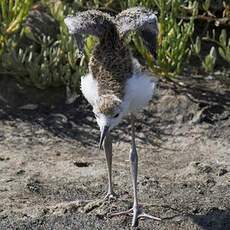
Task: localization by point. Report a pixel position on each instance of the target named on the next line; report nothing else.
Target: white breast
(139, 90)
(89, 88)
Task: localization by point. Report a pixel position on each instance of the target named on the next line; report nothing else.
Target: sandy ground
(53, 176)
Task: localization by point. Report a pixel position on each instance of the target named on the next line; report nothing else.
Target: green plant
(130, 3)
(195, 48)
(210, 60)
(12, 14)
(174, 35)
(206, 5)
(173, 38)
(223, 44)
(46, 62)
(223, 47)
(53, 66)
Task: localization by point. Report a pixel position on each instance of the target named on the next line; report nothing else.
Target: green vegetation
(44, 55)
(12, 14)
(46, 61)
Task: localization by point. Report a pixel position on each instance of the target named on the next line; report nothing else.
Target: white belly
(139, 91)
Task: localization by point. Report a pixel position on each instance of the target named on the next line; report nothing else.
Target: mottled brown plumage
(91, 22)
(108, 104)
(111, 65)
(111, 61)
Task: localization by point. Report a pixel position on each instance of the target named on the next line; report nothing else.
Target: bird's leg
(136, 210)
(134, 168)
(108, 153)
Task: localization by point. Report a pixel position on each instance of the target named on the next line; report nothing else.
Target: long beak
(104, 132)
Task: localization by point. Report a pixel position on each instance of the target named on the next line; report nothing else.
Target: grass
(49, 61)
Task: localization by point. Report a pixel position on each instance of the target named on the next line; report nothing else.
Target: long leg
(108, 153)
(135, 211)
(134, 169)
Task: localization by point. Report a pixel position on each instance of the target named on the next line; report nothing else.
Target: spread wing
(90, 22)
(140, 20)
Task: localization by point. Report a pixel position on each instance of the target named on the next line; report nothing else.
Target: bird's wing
(90, 22)
(140, 20)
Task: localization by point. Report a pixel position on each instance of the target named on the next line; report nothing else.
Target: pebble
(20, 172)
(222, 172)
(4, 158)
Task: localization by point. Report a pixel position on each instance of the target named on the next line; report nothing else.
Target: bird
(116, 85)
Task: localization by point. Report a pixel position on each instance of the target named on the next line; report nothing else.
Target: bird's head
(109, 113)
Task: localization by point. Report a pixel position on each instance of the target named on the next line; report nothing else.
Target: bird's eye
(116, 115)
(96, 115)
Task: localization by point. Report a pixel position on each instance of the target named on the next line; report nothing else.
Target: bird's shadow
(76, 121)
(214, 219)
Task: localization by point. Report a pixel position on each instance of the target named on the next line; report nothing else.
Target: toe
(135, 219)
(147, 216)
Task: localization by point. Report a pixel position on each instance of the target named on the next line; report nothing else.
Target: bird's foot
(137, 213)
(110, 196)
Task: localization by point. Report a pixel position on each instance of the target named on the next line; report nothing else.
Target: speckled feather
(108, 104)
(111, 65)
(136, 19)
(91, 22)
(111, 62)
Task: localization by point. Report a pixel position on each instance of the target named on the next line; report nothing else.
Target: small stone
(34, 186)
(4, 158)
(222, 171)
(81, 164)
(210, 181)
(20, 172)
(204, 168)
(195, 210)
(209, 77)
(194, 164)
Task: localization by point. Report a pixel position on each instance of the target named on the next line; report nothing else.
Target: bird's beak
(104, 132)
